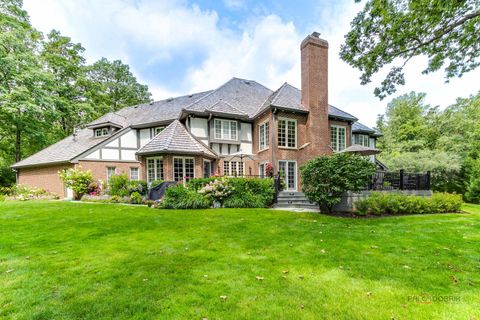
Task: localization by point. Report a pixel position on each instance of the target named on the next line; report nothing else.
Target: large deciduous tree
(111, 86)
(389, 32)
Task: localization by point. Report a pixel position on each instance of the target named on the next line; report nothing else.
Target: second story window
(338, 137)
(100, 132)
(263, 132)
(287, 133)
(226, 129)
(157, 130)
(362, 139)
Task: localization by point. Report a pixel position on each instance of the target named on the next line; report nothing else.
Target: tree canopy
(390, 32)
(47, 89)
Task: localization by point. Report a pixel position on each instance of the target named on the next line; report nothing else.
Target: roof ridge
(228, 104)
(207, 95)
(278, 92)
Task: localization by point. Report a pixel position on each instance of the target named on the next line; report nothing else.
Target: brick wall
(45, 177)
(99, 168)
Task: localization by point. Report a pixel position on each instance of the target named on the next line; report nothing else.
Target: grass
(63, 260)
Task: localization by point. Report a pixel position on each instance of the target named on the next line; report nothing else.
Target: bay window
(154, 169)
(183, 168)
(362, 139)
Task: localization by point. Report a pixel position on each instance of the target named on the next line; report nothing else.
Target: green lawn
(97, 261)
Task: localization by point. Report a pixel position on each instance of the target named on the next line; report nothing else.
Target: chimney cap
(316, 34)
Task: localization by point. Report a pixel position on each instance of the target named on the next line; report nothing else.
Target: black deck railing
(400, 180)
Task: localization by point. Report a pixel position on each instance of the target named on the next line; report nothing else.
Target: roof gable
(175, 138)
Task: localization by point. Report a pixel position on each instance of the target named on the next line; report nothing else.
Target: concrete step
(295, 201)
(290, 206)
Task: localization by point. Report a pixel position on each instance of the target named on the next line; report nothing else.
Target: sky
(178, 47)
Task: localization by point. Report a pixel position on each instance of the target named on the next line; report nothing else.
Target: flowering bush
(94, 188)
(77, 179)
(269, 170)
(217, 190)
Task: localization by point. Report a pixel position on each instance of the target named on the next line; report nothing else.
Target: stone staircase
(294, 199)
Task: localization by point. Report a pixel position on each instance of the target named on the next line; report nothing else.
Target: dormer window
(101, 132)
(157, 130)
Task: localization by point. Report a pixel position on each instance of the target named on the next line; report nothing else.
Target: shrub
(245, 200)
(325, 178)
(105, 198)
(262, 191)
(180, 197)
(118, 185)
(94, 188)
(156, 183)
(217, 190)
(199, 183)
(2, 198)
(136, 198)
(76, 179)
(399, 203)
(138, 186)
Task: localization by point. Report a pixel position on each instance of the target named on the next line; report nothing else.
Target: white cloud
(264, 48)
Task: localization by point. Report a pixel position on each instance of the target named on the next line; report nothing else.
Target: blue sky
(178, 47)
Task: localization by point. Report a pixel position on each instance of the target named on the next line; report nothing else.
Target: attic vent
(190, 95)
(169, 99)
(246, 81)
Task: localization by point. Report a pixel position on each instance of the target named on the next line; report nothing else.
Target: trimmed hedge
(399, 203)
(180, 197)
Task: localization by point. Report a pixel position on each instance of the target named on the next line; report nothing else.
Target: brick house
(193, 135)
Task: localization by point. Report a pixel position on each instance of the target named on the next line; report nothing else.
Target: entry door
(207, 168)
(288, 170)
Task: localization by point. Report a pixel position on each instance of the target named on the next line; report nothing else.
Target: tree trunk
(18, 147)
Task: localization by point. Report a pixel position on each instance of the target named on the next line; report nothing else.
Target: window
(338, 137)
(288, 172)
(154, 169)
(183, 168)
(134, 174)
(157, 130)
(110, 172)
(100, 132)
(287, 133)
(226, 129)
(263, 132)
(233, 168)
(362, 139)
(261, 170)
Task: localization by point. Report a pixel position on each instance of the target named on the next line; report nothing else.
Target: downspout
(272, 142)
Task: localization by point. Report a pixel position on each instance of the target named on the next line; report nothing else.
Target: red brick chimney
(314, 61)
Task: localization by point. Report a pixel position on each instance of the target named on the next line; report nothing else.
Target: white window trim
(114, 172)
(296, 173)
(203, 168)
(232, 174)
(267, 134)
(237, 126)
(286, 133)
(139, 173)
(101, 132)
(154, 168)
(345, 137)
(264, 164)
(183, 166)
(362, 137)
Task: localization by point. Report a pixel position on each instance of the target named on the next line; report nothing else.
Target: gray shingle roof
(64, 150)
(109, 118)
(359, 127)
(175, 138)
(334, 112)
(223, 107)
(244, 95)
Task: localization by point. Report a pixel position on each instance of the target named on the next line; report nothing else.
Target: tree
(111, 86)
(407, 125)
(65, 62)
(326, 178)
(24, 102)
(388, 31)
(77, 180)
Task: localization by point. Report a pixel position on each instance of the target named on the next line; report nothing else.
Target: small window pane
(218, 129)
(292, 132)
(282, 141)
(110, 173)
(134, 174)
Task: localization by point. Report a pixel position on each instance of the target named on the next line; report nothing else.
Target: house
(192, 135)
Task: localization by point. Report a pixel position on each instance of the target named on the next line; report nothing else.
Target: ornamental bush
(180, 197)
(379, 203)
(326, 178)
(118, 185)
(77, 180)
(139, 186)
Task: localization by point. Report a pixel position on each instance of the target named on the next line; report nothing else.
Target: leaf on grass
(374, 247)
(369, 293)
(454, 280)
(322, 251)
(145, 279)
(223, 297)
(285, 271)
(205, 275)
(9, 271)
(406, 267)
(301, 276)
(259, 278)
(302, 306)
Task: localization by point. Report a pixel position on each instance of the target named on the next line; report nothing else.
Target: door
(207, 168)
(288, 170)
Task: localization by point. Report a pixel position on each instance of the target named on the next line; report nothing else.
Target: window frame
(287, 132)
(104, 131)
(360, 137)
(138, 173)
(155, 169)
(265, 136)
(223, 129)
(239, 169)
(114, 172)
(337, 148)
(183, 167)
